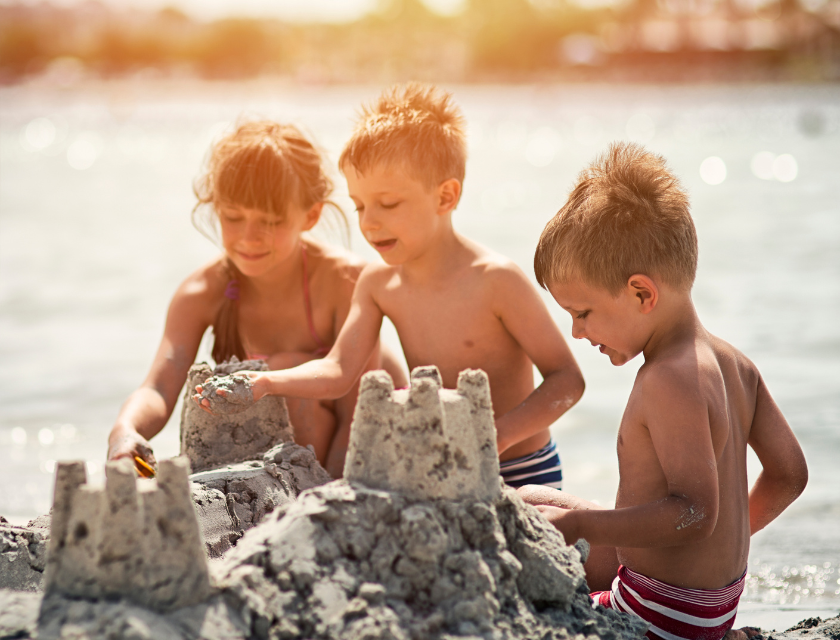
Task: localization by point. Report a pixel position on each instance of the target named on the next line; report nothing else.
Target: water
(95, 234)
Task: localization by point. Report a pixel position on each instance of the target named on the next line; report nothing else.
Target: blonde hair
(414, 125)
(261, 165)
(627, 214)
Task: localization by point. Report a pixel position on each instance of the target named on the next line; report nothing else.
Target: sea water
(95, 235)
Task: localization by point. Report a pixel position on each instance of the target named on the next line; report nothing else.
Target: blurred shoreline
(489, 41)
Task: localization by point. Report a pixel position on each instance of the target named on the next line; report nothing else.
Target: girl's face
(258, 242)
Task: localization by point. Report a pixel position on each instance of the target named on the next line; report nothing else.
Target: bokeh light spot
(785, 168)
(542, 147)
(46, 436)
(84, 151)
(19, 436)
(713, 170)
(40, 133)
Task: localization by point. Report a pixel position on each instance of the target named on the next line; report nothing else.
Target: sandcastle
(212, 441)
(137, 540)
(425, 442)
(420, 540)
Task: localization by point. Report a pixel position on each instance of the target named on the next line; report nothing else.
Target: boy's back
(621, 257)
(703, 375)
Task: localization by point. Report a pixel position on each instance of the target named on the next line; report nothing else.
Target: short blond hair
(627, 214)
(415, 126)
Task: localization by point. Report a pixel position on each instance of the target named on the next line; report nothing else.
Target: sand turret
(212, 441)
(133, 539)
(425, 442)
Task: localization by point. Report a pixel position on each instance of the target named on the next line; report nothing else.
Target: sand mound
(346, 561)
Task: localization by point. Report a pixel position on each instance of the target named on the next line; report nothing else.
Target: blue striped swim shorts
(541, 467)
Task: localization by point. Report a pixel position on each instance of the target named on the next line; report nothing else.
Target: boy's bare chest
(448, 328)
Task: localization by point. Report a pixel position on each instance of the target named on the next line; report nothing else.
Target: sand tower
(213, 441)
(425, 442)
(133, 539)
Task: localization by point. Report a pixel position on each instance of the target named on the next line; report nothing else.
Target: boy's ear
(449, 193)
(313, 215)
(644, 289)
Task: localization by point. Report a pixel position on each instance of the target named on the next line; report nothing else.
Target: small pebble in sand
(237, 397)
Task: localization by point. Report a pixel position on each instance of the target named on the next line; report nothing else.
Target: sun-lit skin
(454, 304)
(265, 245)
(266, 249)
(604, 319)
(683, 512)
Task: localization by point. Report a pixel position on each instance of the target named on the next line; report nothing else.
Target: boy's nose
(368, 221)
(578, 331)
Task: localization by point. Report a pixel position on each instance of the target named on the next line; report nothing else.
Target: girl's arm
(148, 408)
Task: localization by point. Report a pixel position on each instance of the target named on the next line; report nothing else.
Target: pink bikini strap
(307, 303)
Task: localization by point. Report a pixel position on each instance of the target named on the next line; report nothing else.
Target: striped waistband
(514, 464)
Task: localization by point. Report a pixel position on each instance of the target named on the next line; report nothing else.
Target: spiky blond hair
(627, 214)
(413, 126)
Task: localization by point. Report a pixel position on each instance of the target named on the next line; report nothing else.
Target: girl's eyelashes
(390, 205)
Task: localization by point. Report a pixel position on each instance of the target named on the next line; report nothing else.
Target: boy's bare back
(685, 430)
(620, 257)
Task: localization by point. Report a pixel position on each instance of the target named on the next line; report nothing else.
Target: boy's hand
(258, 382)
(564, 520)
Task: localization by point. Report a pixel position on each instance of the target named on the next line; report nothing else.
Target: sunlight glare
(713, 170)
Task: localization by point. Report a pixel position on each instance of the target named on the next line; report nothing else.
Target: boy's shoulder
(494, 268)
(703, 370)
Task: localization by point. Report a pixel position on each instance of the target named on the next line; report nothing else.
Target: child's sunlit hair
(627, 214)
(415, 127)
(261, 165)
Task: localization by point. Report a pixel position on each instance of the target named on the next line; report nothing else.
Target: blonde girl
(274, 293)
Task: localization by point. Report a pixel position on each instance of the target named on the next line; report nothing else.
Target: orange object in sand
(143, 467)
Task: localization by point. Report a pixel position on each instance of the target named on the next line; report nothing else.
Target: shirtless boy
(620, 257)
(454, 303)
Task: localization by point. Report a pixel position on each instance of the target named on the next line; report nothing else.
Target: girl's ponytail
(226, 325)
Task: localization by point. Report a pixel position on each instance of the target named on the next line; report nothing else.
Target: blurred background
(107, 110)
(440, 40)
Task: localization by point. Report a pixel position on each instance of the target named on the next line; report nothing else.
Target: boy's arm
(674, 416)
(334, 375)
(784, 472)
(527, 319)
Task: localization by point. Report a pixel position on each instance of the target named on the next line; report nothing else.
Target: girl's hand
(128, 444)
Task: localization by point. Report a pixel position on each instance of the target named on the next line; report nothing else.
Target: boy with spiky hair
(454, 303)
(620, 257)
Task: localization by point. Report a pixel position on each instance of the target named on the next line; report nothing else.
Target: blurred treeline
(490, 40)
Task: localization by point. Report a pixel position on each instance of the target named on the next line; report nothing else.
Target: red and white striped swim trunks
(674, 613)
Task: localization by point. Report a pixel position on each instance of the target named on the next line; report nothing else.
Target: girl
(274, 293)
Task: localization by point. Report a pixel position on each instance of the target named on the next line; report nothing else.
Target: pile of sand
(350, 562)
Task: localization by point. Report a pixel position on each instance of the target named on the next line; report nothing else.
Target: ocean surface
(95, 235)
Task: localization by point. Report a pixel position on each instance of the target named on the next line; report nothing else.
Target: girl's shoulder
(334, 264)
(206, 285)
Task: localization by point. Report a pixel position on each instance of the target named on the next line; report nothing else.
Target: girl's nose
(254, 230)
